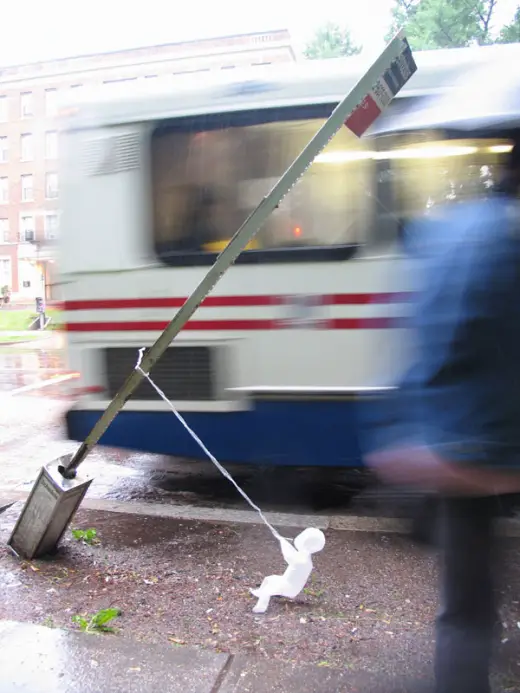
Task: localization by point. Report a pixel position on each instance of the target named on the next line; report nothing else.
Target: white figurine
(299, 561)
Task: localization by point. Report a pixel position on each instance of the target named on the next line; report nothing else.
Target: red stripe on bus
(369, 299)
(237, 325)
(168, 302)
(235, 301)
(159, 325)
(366, 323)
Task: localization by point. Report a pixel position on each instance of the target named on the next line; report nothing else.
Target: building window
(26, 147)
(4, 230)
(4, 150)
(51, 145)
(26, 104)
(51, 226)
(27, 234)
(4, 190)
(5, 272)
(51, 102)
(51, 185)
(208, 178)
(27, 188)
(3, 109)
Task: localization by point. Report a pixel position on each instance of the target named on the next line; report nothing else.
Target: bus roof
(302, 83)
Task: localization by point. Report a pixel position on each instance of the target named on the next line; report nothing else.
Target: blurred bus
(309, 326)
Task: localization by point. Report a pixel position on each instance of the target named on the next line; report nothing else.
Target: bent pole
(363, 104)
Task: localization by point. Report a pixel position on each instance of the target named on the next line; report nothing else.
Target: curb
(28, 340)
(338, 523)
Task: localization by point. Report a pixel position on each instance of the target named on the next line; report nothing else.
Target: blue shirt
(462, 394)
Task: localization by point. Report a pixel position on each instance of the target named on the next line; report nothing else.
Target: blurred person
(455, 428)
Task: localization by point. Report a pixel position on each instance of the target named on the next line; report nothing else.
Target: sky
(60, 28)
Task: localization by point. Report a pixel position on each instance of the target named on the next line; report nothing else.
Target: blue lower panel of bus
(273, 433)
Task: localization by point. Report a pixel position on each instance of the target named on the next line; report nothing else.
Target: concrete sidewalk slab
(248, 675)
(254, 675)
(35, 659)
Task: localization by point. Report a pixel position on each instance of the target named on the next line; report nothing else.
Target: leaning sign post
(58, 490)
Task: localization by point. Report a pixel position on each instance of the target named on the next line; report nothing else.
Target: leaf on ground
(104, 616)
(87, 536)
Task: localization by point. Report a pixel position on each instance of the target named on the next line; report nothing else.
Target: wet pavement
(32, 434)
(25, 365)
(35, 659)
(39, 660)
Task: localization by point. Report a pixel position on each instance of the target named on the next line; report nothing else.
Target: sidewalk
(36, 659)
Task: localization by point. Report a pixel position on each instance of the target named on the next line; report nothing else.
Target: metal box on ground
(47, 512)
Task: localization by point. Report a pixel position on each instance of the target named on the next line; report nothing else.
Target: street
(33, 396)
(33, 381)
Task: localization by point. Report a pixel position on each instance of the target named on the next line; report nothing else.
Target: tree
(432, 24)
(511, 32)
(402, 13)
(331, 41)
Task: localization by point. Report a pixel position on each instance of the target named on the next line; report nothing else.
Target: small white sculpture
(299, 561)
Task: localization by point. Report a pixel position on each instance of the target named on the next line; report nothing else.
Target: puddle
(20, 367)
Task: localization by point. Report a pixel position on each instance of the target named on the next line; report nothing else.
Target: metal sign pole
(58, 492)
(396, 50)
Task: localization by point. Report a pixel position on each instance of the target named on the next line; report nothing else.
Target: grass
(19, 320)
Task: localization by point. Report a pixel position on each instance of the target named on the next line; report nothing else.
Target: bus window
(436, 171)
(207, 181)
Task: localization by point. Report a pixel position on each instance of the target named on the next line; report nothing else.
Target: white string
(195, 437)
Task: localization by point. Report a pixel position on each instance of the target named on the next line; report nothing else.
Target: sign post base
(47, 512)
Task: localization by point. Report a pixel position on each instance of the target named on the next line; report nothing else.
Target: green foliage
(331, 41)
(511, 32)
(402, 13)
(87, 536)
(98, 622)
(434, 24)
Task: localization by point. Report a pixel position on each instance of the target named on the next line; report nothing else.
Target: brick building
(29, 100)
